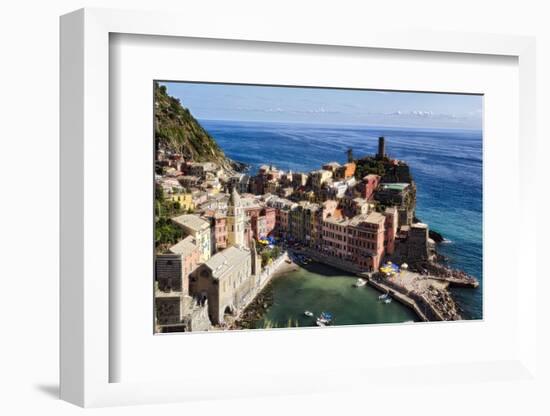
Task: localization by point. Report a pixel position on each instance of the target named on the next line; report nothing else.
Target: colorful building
(335, 237)
(218, 227)
(199, 228)
(368, 186)
(282, 215)
(346, 171)
(319, 177)
(185, 199)
(366, 240)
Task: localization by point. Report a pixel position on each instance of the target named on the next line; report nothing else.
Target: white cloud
(421, 114)
(318, 110)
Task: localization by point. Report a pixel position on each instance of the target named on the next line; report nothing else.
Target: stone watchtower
(235, 220)
(381, 148)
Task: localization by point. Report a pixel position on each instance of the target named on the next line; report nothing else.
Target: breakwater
(427, 296)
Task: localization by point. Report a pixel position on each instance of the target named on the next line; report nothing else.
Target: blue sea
(446, 165)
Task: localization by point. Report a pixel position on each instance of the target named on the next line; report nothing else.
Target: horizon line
(480, 129)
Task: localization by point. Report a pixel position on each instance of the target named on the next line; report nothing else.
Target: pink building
(218, 228)
(368, 186)
(172, 269)
(282, 209)
(270, 218)
(366, 240)
(220, 231)
(335, 237)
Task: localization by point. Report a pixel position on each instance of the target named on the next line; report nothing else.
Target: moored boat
(308, 313)
(325, 318)
(360, 282)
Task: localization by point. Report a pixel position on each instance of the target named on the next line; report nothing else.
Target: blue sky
(330, 106)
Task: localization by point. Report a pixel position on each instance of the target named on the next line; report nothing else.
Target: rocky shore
(255, 310)
(454, 277)
(239, 167)
(429, 298)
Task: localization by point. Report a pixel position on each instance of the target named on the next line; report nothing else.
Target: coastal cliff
(178, 131)
(390, 171)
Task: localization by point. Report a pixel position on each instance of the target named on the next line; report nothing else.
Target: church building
(230, 278)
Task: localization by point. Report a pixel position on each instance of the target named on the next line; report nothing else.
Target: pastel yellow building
(185, 200)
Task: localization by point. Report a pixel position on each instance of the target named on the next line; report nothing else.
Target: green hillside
(177, 130)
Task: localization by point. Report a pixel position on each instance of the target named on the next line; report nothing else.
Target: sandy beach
(285, 267)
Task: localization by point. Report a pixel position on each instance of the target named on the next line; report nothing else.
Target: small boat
(360, 282)
(308, 313)
(325, 318)
(384, 296)
(320, 323)
(387, 300)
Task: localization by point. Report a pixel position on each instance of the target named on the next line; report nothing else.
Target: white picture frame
(86, 355)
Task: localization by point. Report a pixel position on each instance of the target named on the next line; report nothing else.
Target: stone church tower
(235, 220)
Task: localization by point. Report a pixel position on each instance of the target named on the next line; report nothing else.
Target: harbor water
(320, 288)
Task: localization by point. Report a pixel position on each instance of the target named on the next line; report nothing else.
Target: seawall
(401, 298)
(262, 280)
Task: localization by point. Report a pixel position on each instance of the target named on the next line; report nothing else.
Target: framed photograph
(251, 233)
(317, 202)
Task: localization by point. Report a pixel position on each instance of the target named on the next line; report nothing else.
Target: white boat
(384, 296)
(387, 300)
(360, 282)
(308, 313)
(324, 319)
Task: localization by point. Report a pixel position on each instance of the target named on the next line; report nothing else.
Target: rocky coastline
(255, 310)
